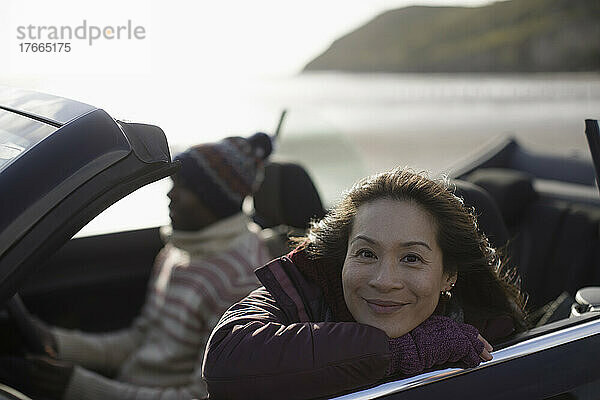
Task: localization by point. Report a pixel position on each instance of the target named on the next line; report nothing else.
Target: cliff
(509, 36)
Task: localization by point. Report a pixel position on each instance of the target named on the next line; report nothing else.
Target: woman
(395, 280)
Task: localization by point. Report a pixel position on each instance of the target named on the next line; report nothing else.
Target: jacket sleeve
(88, 385)
(102, 352)
(254, 353)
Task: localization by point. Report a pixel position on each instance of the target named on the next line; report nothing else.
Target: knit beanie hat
(222, 174)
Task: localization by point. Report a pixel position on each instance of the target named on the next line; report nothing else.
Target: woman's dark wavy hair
(485, 287)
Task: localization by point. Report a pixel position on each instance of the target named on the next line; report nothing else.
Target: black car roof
(59, 180)
(54, 110)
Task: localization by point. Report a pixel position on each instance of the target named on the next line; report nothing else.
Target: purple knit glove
(436, 341)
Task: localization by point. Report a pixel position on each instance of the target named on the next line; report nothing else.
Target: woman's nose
(386, 276)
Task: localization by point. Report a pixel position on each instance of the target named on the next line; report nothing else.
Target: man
(206, 265)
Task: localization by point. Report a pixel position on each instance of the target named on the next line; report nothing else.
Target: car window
(147, 207)
(18, 134)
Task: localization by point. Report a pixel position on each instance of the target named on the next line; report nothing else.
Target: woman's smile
(384, 306)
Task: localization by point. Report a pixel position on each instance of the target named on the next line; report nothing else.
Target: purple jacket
(280, 342)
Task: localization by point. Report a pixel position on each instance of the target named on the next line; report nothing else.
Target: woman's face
(393, 273)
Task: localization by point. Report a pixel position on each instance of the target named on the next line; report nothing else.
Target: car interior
(552, 241)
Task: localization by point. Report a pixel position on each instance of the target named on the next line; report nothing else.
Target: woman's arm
(255, 353)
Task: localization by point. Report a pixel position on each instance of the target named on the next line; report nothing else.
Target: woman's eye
(365, 253)
(411, 258)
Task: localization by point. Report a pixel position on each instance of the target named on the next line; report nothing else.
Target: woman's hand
(438, 340)
(487, 348)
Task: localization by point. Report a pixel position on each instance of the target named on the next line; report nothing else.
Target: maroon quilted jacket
(281, 341)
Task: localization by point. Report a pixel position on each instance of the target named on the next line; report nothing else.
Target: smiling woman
(396, 279)
(393, 273)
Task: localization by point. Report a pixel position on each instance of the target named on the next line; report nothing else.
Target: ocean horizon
(343, 126)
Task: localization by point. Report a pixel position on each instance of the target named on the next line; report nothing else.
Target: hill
(509, 36)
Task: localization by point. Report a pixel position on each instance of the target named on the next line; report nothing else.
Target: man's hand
(46, 336)
(48, 377)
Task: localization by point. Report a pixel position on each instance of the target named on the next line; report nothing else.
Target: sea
(342, 126)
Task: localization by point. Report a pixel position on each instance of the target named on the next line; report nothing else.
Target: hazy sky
(264, 37)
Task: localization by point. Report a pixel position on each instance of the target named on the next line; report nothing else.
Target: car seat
(489, 217)
(554, 241)
(285, 203)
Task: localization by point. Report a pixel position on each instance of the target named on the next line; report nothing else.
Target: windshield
(18, 134)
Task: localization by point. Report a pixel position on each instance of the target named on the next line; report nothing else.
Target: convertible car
(63, 162)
